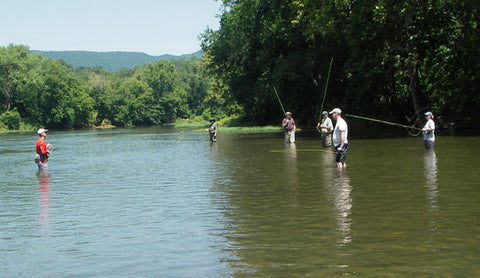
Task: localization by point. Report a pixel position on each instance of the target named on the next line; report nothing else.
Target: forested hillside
(391, 58)
(111, 61)
(37, 91)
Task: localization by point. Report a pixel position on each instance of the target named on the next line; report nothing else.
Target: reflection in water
(291, 171)
(431, 184)
(213, 149)
(291, 163)
(44, 198)
(343, 206)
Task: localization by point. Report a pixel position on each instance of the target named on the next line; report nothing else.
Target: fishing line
(302, 151)
(279, 101)
(409, 128)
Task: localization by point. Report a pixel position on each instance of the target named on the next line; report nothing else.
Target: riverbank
(200, 126)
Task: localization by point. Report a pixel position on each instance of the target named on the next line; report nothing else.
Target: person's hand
(49, 146)
(340, 148)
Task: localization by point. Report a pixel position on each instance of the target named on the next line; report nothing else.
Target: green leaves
(392, 57)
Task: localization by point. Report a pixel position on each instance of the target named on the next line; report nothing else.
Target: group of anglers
(336, 135)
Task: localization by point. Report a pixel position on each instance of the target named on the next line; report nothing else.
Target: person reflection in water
(44, 197)
(431, 183)
(291, 163)
(343, 207)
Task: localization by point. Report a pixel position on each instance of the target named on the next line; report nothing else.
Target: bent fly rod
(388, 123)
(279, 101)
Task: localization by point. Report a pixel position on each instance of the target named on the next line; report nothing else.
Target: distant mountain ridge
(111, 61)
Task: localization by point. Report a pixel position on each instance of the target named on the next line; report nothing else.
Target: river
(159, 202)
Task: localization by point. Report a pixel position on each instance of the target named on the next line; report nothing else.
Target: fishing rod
(326, 85)
(279, 101)
(388, 123)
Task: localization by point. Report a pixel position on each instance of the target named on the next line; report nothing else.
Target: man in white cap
(42, 150)
(288, 125)
(326, 128)
(340, 134)
(429, 131)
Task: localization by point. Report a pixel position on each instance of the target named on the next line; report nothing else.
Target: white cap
(40, 131)
(336, 110)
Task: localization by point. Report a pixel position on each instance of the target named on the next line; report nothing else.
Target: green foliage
(52, 93)
(10, 120)
(232, 120)
(391, 58)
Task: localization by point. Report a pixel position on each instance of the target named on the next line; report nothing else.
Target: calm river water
(162, 203)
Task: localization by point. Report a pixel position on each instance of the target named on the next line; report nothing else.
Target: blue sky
(155, 27)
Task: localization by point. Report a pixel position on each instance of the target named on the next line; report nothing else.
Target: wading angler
(41, 148)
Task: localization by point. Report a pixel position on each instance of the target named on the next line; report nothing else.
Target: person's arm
(44, 149)
(343, 136)
(294, 125)
(322, 125)
(329, 125)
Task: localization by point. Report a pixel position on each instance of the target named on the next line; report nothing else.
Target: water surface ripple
(156, 202)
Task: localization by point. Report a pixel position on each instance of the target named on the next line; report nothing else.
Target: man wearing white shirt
(340, 134)
(429, 131)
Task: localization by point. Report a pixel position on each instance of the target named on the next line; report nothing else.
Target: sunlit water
(163, 203)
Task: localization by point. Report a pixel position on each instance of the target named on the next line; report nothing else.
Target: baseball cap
(288, 113)
(428, 114)
(324, 113)
(41, 130)
(336, 110)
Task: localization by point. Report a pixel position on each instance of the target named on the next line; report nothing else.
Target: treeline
(36, 91)
(391, 57)
(110, 61)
